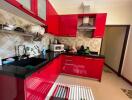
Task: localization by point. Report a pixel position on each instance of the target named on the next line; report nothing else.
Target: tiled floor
(110, 88)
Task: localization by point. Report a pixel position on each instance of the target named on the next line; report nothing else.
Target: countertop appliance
(57, 47)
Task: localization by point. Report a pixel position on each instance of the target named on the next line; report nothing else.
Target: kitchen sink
(28, 62)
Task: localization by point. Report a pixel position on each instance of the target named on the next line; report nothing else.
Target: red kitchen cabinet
(80, 64)
(98, 65)
(28, 4)
(68, 25)
(74, 65)
(68, 65)
(37, 87)
(39, 83)
(52, 19)
(29, 7)
(94, 67)
(100, 21)
(11, 88)
(83, 66)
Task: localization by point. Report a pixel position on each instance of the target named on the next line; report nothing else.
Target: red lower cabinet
(39, 84)
(11, 88)
(68, 64)
(94, 67)
(34, 87)
(83, 66)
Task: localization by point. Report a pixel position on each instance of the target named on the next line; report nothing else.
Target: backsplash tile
(82, 39)
(7, 44)
(9, 41)
(6, 17)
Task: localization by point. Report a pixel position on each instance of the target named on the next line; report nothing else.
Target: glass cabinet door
(25, 3)
(42, 9)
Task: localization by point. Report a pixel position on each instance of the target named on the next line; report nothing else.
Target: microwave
(57, 47)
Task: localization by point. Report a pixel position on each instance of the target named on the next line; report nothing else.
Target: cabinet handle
(69, 60)
(68, 64)
(89, 58)
(68, 56)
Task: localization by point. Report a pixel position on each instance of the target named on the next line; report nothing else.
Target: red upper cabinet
(100, 21)
(68, 25)
(52, 19)
(41, 8)
(27, 4)
(38, 7)
(33, 8)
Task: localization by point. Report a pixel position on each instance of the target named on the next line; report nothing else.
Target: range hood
(87, 23)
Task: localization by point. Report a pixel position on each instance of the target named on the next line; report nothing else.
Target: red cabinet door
(69, 66)
(52, 19)
(74, 65)
(94, 67)
(97, 66)
(68, 25)
(80, 65)
(30, 8)
(100, 25)
(39, 83)
(25, 5)
(83, 66)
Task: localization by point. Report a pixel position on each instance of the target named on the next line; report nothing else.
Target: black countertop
(22, 72)
(86, 55)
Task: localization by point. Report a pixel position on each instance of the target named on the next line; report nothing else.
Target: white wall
(127, 66)
(119, 12)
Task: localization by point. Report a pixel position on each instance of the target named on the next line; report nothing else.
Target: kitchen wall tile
(82, 39)
(9, 41)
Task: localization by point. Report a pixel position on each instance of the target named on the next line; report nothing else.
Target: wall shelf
(16, 32)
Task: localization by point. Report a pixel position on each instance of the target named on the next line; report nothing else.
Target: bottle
(44, 53)
(0, 61)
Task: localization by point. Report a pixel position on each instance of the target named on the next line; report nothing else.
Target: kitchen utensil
(37, 37)
(33, 28)
(81, 50)
(9, 27)
(19, 29)
(21, 50)
(87, 51)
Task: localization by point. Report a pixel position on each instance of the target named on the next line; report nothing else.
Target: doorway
(114, 46)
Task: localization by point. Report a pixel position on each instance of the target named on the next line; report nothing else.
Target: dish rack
(69, 92)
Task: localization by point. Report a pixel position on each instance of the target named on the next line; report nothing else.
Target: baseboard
(125, 79)
(128, 81)
(111, 69)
